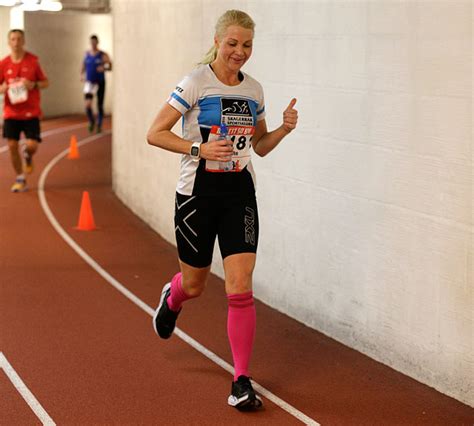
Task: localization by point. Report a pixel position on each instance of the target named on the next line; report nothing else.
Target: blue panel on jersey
(180, 100)
(211, 109)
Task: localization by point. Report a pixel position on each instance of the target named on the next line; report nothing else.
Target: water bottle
(224, 135)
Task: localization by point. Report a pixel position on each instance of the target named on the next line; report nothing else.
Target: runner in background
(96, 62)
(223, 113)
(21, 79)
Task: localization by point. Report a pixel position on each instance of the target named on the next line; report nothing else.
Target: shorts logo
(249, 221)
(236, 112)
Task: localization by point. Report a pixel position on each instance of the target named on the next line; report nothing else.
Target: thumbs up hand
(290, 116)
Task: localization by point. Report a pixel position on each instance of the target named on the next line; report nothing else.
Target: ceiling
(91, 6)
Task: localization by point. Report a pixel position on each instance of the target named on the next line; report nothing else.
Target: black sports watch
(195, 151)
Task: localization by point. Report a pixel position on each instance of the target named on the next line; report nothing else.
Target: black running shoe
(243, 395)
(164, 320)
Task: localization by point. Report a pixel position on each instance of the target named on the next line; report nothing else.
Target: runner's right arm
(83, 70)
(3, 83)
(160, 135)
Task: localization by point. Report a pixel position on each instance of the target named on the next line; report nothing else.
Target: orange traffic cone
(86, 218)
(73, 150)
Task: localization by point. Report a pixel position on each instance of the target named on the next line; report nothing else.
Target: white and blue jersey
(206, 103)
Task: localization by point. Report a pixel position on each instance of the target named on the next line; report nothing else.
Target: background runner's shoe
(28, 164)
(164, 320)
(19, 186)
(91, 127)
(243, 395)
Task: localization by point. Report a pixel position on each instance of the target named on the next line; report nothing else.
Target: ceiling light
(9, 3)
(30, 7)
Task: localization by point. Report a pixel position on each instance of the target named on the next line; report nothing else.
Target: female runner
(223, 114)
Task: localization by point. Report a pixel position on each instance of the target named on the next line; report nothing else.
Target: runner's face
(16, 41)
(235, 47)
(94, 43)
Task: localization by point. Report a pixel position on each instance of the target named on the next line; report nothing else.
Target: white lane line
(23, 390)
(140, 303)
(51, 132)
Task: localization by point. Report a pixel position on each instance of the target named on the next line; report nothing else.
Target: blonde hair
(231, 17)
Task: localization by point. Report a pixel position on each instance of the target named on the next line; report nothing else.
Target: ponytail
(210, 56)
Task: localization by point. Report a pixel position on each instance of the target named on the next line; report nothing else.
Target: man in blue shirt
(94, 65)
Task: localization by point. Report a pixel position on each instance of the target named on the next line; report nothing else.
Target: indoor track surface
(76, 339)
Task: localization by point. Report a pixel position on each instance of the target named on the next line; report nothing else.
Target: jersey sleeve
(2, 78)
(185, 95)
(261, 104)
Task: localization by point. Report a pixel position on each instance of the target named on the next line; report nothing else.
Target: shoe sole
(17, 191)
(162, 298)
(245, 402)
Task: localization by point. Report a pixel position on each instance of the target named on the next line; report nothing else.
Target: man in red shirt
(21, 79)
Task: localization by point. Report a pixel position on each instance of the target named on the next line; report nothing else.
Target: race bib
(241, 137)
(17, 93)
(90, 88)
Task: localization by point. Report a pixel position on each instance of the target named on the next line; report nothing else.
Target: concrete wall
(60, 40)
(4, 27)
(367, 209)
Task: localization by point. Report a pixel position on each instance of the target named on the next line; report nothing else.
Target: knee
(32, 147)
(239, 283)
(193, 287)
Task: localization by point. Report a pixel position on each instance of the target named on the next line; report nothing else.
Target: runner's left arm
(107, 62)
(264, 141)
(41, 81)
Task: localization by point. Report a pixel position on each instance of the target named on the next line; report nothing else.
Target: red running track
(90, 356)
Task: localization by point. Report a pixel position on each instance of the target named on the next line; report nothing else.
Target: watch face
(194, 151)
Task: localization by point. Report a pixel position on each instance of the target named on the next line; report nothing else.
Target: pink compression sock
(241, 323)
(177, 296)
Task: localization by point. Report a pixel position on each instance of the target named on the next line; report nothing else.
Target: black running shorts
(199, 219)
(31, 128)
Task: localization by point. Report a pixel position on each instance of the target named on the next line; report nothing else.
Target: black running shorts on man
(12, 129)
(199, 219)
